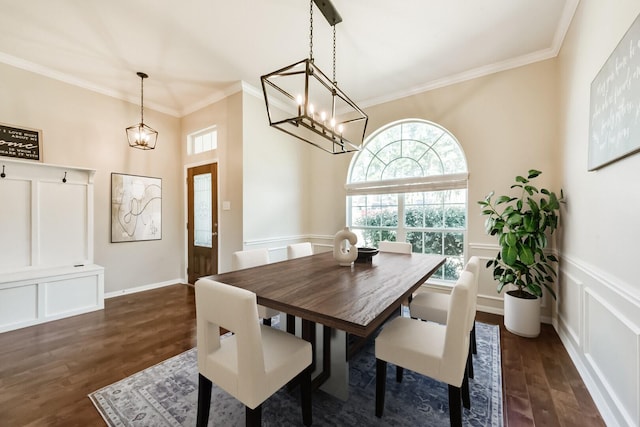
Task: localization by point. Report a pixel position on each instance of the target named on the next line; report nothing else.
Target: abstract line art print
(136, 208)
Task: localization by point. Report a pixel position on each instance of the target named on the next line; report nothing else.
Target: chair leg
(291, 324)
(466, 399)
(253, 417)
(204, 400)
(473, 339)
(455, 410)
(266, 321)
(305, 396)
(470, 361)
(399, 373)
(381, 379)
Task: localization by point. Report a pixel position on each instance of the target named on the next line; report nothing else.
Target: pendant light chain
(141, 100)
(311, 30)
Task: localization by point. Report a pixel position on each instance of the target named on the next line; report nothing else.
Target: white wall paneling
(597, 325)
(46, 229)
(31, 297)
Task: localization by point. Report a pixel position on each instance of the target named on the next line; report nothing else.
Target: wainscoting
(599, 325)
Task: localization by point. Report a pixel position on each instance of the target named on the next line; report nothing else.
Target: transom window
(204, 140)
(409, 183)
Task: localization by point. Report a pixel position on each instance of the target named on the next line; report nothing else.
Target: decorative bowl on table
(366, 254)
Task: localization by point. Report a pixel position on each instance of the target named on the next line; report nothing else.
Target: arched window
(409, 183)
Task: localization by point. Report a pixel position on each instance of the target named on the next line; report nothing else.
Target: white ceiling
(196, 51)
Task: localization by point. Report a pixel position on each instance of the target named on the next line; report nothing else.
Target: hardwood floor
(47, 371)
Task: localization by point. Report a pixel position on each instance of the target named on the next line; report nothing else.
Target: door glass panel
(202, 210)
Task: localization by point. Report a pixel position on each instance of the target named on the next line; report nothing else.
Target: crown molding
(66, 78)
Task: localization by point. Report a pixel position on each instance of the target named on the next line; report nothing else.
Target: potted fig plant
(522, 225)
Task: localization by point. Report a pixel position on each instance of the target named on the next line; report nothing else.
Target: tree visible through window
(409, 183)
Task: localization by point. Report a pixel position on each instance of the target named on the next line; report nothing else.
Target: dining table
(343, 303)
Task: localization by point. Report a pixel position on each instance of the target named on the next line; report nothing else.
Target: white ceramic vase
(522, 315)
(345, 254)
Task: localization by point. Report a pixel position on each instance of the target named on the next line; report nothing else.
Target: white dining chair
(297, 250)
(253, 258)
(251, 364)
(398, 248)
(435, 350)
(395, 247)
(434, 307)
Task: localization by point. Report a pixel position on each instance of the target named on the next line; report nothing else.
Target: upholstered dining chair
(396, 247)
(297, 250)
(254, 362)
(436, 350)
(253, 258)
(434, 306)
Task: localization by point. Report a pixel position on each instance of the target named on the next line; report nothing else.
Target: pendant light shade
(303, 102)
(140, 135)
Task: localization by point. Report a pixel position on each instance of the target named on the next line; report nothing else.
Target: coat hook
(64, 179)
(3, 175)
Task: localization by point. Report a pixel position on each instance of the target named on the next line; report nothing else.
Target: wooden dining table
(346, 300)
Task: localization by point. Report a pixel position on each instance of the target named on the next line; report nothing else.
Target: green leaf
(533, 173)
(509, 254)
(526, 255)
(529, 223)
(514, 219)
(521, 179)
(530, 189)
(511, 239)
(535, 289)
(503, 199)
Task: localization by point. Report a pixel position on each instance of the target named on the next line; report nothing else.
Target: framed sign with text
(614, 125)
(20, 143)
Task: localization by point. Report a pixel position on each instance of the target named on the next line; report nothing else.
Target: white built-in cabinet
(46, 244)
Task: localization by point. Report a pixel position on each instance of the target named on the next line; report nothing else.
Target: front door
(202, 190)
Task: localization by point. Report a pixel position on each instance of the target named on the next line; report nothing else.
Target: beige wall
(599, 304)
(84, 129)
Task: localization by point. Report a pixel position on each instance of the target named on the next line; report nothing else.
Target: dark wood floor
(47, 371)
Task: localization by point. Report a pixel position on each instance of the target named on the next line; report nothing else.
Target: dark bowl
(366, 254)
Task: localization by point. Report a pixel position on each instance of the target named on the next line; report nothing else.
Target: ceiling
(197, 51)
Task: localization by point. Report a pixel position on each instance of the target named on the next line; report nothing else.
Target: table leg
(337, 384)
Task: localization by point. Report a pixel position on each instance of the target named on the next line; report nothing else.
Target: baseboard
(143, 288)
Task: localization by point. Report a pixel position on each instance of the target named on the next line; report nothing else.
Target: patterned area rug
(167, 394)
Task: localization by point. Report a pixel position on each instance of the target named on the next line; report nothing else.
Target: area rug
(167, 394)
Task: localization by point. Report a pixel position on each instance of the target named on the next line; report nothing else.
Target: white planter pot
(522, 315)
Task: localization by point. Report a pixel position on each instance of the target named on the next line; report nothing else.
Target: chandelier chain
(311, 30)
(334, 55)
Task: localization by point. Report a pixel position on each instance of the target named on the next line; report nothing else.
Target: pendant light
(303, 102)
(142, 136)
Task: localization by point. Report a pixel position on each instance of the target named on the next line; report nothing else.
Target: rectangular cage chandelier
(306, 104)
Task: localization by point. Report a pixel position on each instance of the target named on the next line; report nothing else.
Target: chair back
(395, 247)
(298, 250)
(235, 309)
(456, 342)
(473, 266)
(251, 258)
